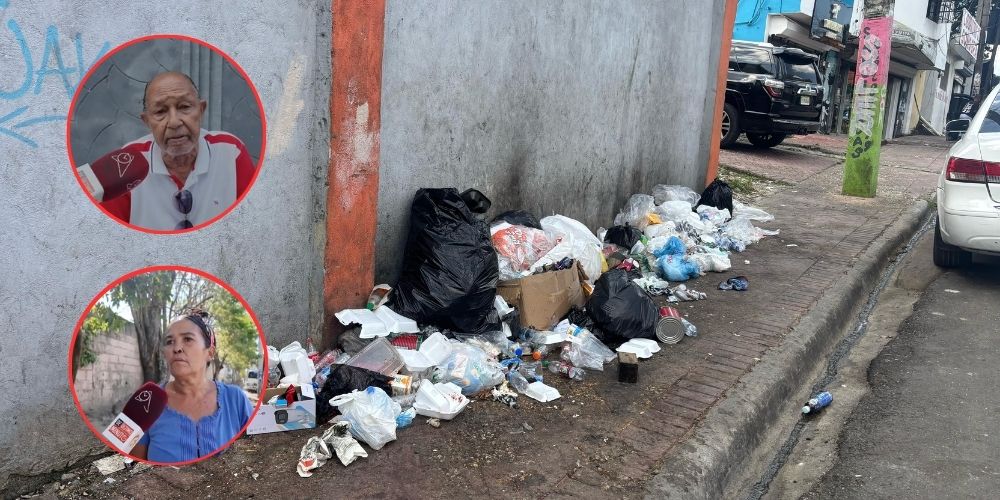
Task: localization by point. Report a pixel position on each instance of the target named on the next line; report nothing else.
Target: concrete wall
(554, 107)
(103, 385)
(59, 250)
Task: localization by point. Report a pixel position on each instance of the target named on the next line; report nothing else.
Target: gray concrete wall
(59, 251)
(566, 107)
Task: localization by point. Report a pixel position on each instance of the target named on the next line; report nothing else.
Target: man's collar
(201, 163)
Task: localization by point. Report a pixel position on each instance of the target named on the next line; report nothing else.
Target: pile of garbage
(488, 310)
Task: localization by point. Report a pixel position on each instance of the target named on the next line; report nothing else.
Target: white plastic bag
(752, 213)
(677, 211)
(668, 228)
(741, 230)
(470, 368)
(372, 414)
(663, 192)
(636, 211)
(576, 241)
(712, 260)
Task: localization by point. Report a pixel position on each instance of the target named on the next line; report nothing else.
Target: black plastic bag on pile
(449, 276)
(342, 380)
(579, 317)
(518, 218)
(622, 309)
(718, 194)
(624, 236)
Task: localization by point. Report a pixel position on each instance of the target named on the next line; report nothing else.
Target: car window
(799, 70)
(991, 122)
(756, 61)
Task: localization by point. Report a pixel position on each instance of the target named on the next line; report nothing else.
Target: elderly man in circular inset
(178, 176)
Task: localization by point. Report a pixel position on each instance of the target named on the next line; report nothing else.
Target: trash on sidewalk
(344, 379)
(379, 356)
(441, 401)
(718, 194)
(519, 248)
(372, 414)
(575, 241)
(503, 394)
(518, 218)
(378, 323)
(817, 403)
(628, 367)
(469, 368)
(670, 327)
(738, 283)
(110, 464)
(621, 309)
(285, 409)
(449, 272)
(583, 349)
(542, 299)
(681, 293)
(335, 440)
(378, 296)
(541, 392)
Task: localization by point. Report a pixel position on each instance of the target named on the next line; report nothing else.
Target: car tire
(946, 255)
(765, 140)
(730, 125)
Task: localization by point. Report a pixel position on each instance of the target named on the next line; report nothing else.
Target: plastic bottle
(817, 403)
(517, 381)
(567, 369)
(531, 370)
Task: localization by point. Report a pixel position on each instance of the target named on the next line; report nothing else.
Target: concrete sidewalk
(677, 432)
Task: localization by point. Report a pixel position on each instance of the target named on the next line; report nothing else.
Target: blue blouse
(174, 437)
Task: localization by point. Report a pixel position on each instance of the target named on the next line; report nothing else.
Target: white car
(968, 192)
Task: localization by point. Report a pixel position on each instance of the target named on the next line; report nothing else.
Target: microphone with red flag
(139, 414)
(115, 173)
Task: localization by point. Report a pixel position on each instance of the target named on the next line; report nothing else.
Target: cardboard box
(543, 299)
(273, 418)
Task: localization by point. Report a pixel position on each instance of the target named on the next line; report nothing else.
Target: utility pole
(984, 20)
(864, 137)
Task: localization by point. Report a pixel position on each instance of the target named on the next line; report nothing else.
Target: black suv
(770, 92)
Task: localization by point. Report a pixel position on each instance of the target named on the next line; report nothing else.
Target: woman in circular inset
(201, 415)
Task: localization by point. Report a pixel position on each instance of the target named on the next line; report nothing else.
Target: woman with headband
(201, 415)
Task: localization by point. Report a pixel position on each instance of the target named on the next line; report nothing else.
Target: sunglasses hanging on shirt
(184, 203)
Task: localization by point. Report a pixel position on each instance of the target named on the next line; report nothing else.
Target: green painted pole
(864, 137)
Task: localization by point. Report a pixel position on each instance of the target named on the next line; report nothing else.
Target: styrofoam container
(652, 345)
(641, 351)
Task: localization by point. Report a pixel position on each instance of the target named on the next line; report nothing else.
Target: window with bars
(941, 11)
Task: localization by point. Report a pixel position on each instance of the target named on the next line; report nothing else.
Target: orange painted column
(728, 22)
(352, 195)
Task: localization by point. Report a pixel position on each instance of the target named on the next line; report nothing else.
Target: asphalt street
(930, 428)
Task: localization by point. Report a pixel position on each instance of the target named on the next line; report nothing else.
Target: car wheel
(946, 255)
(730, 125)
(765, 140)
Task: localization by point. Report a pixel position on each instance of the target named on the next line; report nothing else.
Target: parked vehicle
(969, 189)
(252, 381)
(771, 92)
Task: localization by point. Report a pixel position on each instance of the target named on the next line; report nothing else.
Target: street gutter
(754, 417)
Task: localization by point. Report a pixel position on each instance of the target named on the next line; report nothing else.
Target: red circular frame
(79, 325)
(232, 62)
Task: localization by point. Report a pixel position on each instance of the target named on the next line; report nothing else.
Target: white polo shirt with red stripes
(222, 172)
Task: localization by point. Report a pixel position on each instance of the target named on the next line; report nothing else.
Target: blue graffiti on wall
(51, 67)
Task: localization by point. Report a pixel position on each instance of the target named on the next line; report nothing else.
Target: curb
(713, 460)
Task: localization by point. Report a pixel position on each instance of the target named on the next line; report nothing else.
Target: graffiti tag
(53, 68)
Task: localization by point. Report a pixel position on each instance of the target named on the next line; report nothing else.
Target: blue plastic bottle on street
(817, 402)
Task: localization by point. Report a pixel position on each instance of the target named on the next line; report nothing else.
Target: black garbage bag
(449, 277)
(342, 380)
(622, 309)
(518, 218)
(624, 236)
(718, 194)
